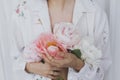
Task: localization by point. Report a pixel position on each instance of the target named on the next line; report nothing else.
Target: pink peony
(30, 53)
(47, 44)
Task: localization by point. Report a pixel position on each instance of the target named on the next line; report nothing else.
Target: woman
(36, 16)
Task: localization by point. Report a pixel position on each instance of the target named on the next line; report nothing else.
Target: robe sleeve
(102, 42)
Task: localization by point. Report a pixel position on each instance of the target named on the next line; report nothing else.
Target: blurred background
(110, 6)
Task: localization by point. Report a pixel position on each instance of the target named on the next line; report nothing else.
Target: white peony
(90, 54)
(67, 34)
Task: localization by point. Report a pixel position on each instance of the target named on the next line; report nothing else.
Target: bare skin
(45, 70)
(59, 11)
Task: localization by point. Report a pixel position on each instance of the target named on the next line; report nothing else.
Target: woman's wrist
(27, 68)
(79, 64)
(32, 67)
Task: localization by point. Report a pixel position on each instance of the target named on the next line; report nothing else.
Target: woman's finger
(53, 62)
(62, 54)
(50, 76)
(45, 58)
(50, 60)
(56, 69)
(54, 74)
(49, 57)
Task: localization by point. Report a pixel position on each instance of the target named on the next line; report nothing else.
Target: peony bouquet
(65, 38)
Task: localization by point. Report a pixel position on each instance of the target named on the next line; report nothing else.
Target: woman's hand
(45, 70)
(69, 60)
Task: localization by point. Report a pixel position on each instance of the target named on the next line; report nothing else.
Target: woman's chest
(35, 24)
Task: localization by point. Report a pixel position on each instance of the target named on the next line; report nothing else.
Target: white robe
(33, 18)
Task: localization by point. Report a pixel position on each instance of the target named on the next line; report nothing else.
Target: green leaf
(76, 52)
(59, 78)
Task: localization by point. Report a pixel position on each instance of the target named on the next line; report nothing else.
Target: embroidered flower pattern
(20, 9)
